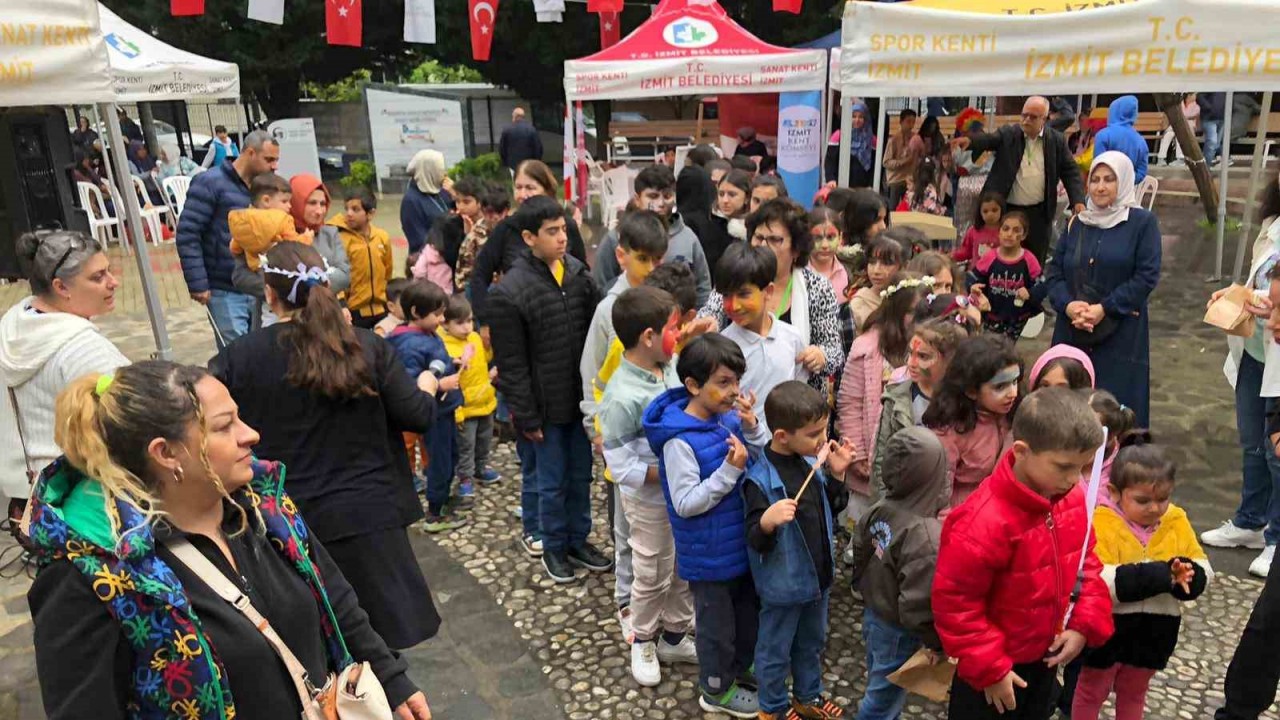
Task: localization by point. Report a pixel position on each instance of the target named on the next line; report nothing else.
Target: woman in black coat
(335, 420)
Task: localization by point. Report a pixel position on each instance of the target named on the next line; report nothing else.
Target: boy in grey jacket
(895, 553)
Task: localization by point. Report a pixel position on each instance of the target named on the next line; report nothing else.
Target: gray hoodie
(40, 354)
(896, 544)
(682, 246)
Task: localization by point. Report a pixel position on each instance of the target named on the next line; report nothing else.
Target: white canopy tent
(65, 52)
(966, 47)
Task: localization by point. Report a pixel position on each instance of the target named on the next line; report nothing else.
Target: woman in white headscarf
(1104, 268)
(426, 198)
(173, 163)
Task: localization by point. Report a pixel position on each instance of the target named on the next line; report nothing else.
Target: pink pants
(1129, 682)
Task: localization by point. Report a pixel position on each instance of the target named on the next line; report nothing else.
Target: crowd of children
(737, 460)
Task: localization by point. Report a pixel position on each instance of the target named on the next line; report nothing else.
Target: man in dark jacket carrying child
(539, 315)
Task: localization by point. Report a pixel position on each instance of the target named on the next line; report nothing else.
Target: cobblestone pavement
(515, 645)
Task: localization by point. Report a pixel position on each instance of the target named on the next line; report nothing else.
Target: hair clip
(309, 276)
(104, 382)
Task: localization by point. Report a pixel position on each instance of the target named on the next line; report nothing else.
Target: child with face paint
(973, 409)
(873, 358)
(661, 607)
(697, 433)
(908, 394)
(642, 242)
(827, 239)
(774, 349)
(655, 191)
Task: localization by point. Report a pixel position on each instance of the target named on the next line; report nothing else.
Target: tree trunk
(148, 122)
(1172, 105)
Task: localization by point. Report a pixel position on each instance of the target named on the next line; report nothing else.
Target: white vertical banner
(420, 21)
(297, 140)
(549, 11)
(268, 11)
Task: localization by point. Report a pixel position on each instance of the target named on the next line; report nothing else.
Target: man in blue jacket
(204, 240)
(1120, 135)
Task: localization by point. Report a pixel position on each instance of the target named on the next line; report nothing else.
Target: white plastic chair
(153, 216)
(1149, 184)
(175, 191)
(616, 191)
(92, 203)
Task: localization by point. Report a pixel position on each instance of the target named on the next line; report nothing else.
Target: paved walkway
(516, 646)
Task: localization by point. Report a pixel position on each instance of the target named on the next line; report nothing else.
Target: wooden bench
(683, 130)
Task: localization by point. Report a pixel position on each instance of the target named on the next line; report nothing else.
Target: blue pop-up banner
(800, 143)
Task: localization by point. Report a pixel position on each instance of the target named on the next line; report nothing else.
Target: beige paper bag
(918, 675)
(1228, 312)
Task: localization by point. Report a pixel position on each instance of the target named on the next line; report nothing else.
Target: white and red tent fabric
(692, 47)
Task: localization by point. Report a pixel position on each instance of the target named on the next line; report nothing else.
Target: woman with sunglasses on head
(46, 341)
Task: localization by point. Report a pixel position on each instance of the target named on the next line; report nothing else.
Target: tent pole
(106, 157)
(1224, 158)
(571, 158)
(1255, 173)
(129, 198)
(846, 138)
(882, 132)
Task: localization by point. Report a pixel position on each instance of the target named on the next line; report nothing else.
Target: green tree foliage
(345, 90)
(432, 72)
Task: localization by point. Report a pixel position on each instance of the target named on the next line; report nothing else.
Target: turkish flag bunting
(342, 22)
(791, 6)
(179, 8)
(610, 29)
(484, 15)
(604, 6)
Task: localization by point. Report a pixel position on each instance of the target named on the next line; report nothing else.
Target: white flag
(549, 11)
(270, 11)
(420, 21)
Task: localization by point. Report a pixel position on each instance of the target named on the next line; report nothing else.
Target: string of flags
(344, 19)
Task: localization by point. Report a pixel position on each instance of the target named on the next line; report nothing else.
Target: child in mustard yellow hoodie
(369, 250)
(479, 398)
(1153, 564)
(256, 229)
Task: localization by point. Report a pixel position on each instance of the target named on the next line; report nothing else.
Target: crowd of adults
(133, 465)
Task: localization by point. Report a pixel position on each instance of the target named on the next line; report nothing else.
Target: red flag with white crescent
(343, 22)
(181, 8)
(610, 29)
(604, 6)
(791, 6)
(484, 16)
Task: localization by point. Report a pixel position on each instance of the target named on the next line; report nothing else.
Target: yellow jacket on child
(479, 397)
(1117, 545)
(370, 267)
(255, 230)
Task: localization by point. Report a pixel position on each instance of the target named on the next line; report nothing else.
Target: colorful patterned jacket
(178, 674)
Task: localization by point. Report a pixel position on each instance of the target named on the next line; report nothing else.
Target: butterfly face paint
(998, 394)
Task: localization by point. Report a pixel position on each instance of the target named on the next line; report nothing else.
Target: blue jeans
(888, 647)
(791, 637)
(232, 314)
(528, 485)
(564, 486)
(1212, 139)
(442, 454)
(1260, 493)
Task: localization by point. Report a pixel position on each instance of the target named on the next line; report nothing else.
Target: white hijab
(1126, 193)
(427, 169)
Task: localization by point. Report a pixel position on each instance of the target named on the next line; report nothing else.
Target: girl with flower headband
(972, 411)
(885, 257)
(874, 356)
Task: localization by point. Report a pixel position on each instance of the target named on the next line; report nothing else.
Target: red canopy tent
(690, 47)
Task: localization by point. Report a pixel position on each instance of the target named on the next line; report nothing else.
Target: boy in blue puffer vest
(791, 548)
(696, 431)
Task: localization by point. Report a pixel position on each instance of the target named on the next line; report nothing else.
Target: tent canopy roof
(691, 47)
(145, 68)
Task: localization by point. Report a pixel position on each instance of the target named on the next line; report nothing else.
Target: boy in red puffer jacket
(1009, 560)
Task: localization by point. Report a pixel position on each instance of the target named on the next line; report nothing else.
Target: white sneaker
(685, 651)
(1230, 536)
(644, 664)
(1261, 565)
(624, 619)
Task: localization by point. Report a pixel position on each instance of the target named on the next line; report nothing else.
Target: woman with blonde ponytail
(331, 401)
(155, 456)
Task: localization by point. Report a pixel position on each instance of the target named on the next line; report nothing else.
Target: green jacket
(895, 414)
